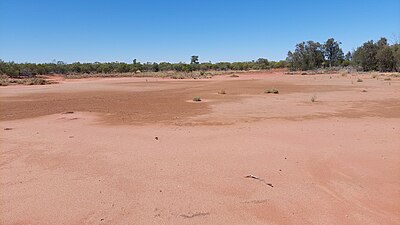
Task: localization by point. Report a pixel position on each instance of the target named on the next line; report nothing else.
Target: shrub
(35, 81)
(234, 75)
(4, 80)
(272, 91)
(387, 79)
(313, 98)
(359, 80)
(196, 99)
(222, 92)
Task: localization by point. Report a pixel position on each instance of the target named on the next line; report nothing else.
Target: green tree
(385, 59)
(333, 52)
(194, 59)
(365, 56)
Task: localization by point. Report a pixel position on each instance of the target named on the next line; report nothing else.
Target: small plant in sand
(313, 98)
(388, 79)
(196, 99)
(359, 80)
(272, 91)
(374, 76)
(364, 90)
(234, 75)
(222, 92)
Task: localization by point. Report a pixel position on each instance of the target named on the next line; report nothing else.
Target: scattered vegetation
(222, 92)
(196, 99)
(35, 81)
(388, 79)
(313, 98)
(359, 80)
(5, 81)
(272, 91)
(13, 69)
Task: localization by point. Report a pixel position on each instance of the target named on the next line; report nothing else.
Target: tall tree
(333, 52)
(385, 59)
(365, 56)
(194, 59)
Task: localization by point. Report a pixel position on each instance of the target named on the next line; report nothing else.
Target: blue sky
(155, 30)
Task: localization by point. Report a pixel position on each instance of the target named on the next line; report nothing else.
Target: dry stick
(257, 178)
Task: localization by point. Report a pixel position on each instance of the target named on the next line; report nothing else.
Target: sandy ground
(139, 151)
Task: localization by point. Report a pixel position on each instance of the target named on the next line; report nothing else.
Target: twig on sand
(189, 216)
(257, 178)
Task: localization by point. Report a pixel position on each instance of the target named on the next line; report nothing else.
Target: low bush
(272, 91)
(313, 98)
(196, 99)
(222, 92)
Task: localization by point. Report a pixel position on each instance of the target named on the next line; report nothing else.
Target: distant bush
(359, 80)
(4, 81)
(222, 92)
(196, 99)
(234, 75)
(387, 79)
(35, 81)
(313, 98)
(272, 91)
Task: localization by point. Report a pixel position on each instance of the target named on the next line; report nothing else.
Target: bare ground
(139, 151)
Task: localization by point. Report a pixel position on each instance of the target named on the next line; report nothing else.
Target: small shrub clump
(222, 92)
(359, 80)
(234, 75)
(387, 79)
(196, 99)
(272, 91)
(4, 81)
(313, 98)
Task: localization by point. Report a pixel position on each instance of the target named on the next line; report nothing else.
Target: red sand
(334, 161)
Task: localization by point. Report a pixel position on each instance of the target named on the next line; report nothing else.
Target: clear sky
(173, 30)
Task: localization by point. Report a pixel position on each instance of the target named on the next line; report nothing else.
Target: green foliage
(307, 56)
(385, 59)
(194, 59)
(371, 56)
(333, 52)
(31, 70)
(378, 56)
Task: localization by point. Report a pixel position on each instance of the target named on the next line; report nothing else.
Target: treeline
(371, 56)
(31, 69)
(310, 55)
